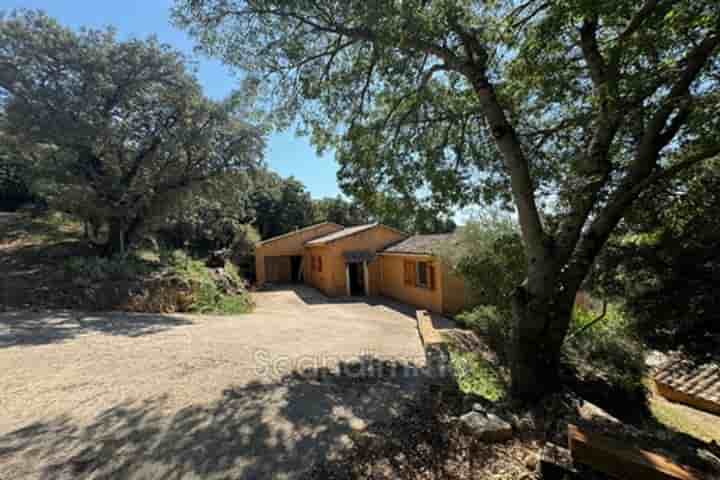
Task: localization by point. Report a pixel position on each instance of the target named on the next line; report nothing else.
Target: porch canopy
(358, 256)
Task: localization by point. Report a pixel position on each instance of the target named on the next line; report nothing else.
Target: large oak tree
(570, 109)
(123, 126)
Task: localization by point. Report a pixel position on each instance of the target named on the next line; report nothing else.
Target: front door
(296, 268)
(356, 276)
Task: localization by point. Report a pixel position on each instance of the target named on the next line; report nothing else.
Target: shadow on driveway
(35, 328)
(255, 431)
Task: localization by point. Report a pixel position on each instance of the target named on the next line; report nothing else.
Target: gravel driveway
(151, 396)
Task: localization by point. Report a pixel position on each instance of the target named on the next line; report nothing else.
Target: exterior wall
(278, 269)
(333, 279)
(287, 246)
(323, 281)
(393, 283)
(454, 295)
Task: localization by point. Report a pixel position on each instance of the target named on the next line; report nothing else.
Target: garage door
(278, 269)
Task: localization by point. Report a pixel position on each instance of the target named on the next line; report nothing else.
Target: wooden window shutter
(319, 264)
(409, 273)
(431, 277)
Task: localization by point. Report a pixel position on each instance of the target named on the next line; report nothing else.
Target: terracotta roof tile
(419, 244)
(345, 232)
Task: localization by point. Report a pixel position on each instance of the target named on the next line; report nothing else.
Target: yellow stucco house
(370, 260)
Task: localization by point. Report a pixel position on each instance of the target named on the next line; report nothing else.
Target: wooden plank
(622, 461)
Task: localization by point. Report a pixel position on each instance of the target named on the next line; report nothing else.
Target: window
(425, 275)
(422, 275)
(410, 273)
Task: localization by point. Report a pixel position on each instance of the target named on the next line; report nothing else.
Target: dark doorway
(296, 269)
(357, 279)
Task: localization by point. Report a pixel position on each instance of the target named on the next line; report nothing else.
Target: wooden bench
(619, 460)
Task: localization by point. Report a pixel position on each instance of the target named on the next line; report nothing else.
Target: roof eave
(300, 230)
(407, 254)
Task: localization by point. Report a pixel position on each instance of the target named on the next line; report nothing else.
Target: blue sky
(287, 154)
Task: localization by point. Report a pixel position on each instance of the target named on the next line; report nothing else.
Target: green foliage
(119, 128)
(488, 253)
(477, 376)
(46, 228)
(340, 211)
(208, 296)
(393, 86)
(407, 214)
(214, 217)
(280, 205)
(14, 185)
(98, 269)
(609, 349)
(173, 277)
(493, 324)
(663, 264)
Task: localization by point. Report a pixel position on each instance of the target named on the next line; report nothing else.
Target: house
(371, 259)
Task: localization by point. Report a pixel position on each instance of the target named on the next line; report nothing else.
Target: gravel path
(150, 396)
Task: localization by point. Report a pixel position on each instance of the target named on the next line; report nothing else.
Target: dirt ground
(149, 396)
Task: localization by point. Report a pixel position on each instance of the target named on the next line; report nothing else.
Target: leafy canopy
(390, 84)
(123, 125)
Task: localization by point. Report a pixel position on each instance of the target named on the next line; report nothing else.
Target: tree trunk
(539, 329)
(117, 238)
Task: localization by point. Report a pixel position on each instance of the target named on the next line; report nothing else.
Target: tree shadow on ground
(41, 328)
(259, 430)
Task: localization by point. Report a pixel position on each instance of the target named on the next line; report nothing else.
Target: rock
(487, 426)
(655, 359)
(556, 463)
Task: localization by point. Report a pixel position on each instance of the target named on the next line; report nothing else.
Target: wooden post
(347, 279)
(366, 278)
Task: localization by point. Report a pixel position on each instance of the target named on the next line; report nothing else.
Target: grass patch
(477, 376)
(701, 425)
(48, 228)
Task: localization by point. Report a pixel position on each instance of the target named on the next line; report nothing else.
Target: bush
(493, 325)
(95, 269)
(608, 349)
(220, 291)
(477, 376)
(489, 255)
(175, 283)
(663, 263)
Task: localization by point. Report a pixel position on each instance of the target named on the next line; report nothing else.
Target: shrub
(489, 255)
(663, 263)
(213, 292)
(99, 268)
(493, 325)
(476, 375)
(608, 349)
